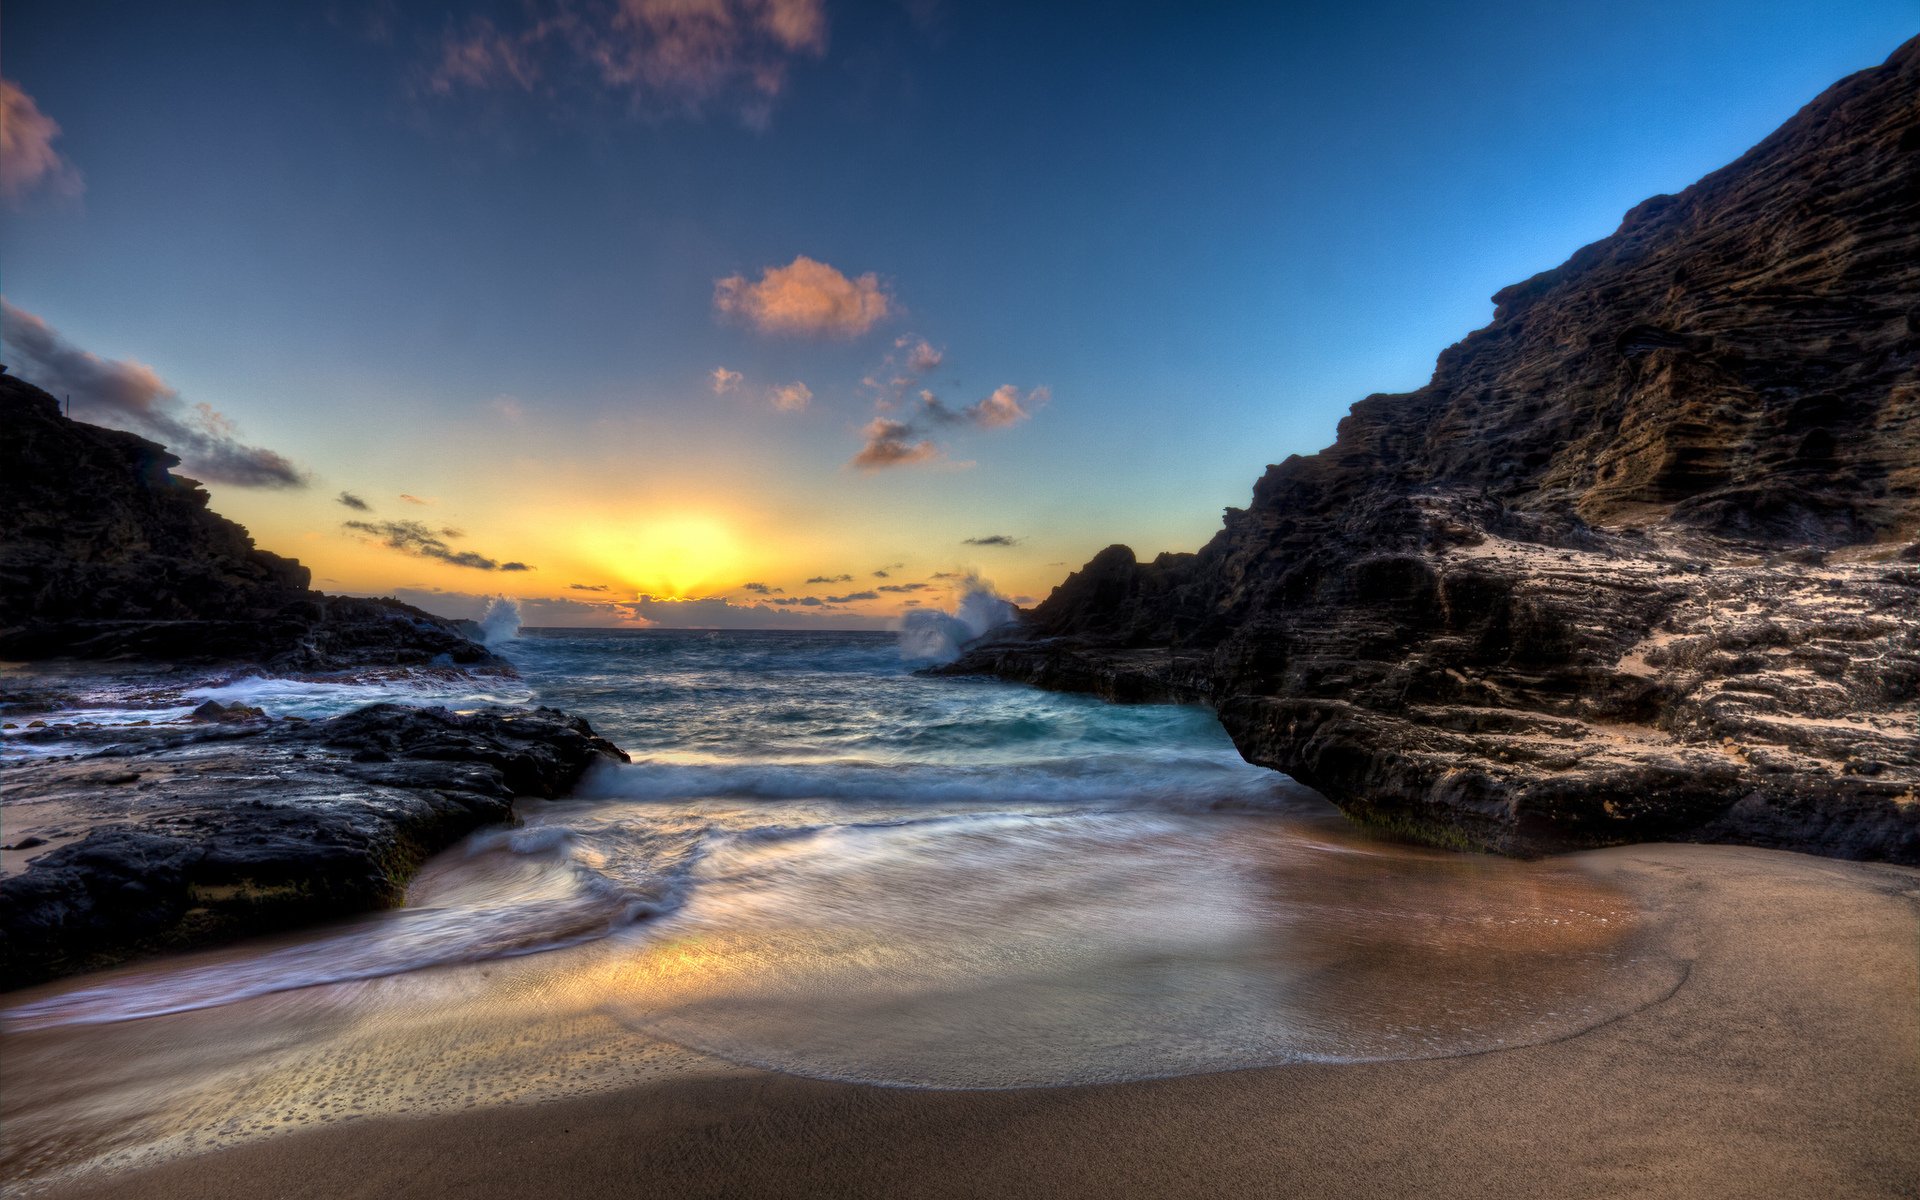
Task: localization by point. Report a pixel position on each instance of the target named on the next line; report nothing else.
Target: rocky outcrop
(104, 553)
(232, 823)
(1638, 562)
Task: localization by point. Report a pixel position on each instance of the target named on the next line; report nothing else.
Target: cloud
(892, 442)
(790, 397)
(412, 499)
(724, 380)
(831, 579)
(889, 445)
(992, 539)
(716, 612)
(353, 502)
(763, 589)
(124, 393)
(28, 160)
(587, 587)
(850, 597)
(1002, 407)
(659, 57)
(412, 537)
(920, 354)
(507, 408)
(904, 587)
(900, 370)
(805, 298)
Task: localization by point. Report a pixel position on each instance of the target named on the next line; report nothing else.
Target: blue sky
(443, 250)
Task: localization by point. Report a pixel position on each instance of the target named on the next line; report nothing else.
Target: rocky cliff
(1637, 563)
(104, 553)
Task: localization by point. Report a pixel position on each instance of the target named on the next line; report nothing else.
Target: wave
(499, 621)
(317, 698)
(1176, 780)
(513, 892)
(929, 635)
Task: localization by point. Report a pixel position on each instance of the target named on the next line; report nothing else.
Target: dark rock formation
(106, 554)
(1637, 563)
(176, 836)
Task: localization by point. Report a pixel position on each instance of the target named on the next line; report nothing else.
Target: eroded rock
(106, 554)
(171, 837)
(1638, 562)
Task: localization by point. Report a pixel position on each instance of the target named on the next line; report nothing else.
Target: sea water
(820, 862)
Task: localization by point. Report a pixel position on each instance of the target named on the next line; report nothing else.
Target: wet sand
(1785, 1063)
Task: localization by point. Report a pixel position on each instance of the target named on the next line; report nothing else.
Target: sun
(670, 555)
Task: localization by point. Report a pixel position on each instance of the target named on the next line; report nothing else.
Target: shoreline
(1787, 1062)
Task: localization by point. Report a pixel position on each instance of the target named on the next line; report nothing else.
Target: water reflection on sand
(979, 949)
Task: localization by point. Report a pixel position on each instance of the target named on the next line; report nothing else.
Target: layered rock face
(181, 836)
(1638, 562)
(106, 554)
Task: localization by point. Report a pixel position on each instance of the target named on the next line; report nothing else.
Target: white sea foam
(929, 635)
(500, 621)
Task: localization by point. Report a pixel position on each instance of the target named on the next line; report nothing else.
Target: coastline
(1787, 1063)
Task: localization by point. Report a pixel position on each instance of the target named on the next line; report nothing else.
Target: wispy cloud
(660, 57)
(790, 397)
(126, 393)
(903, 587)
(724, 380)
(921, 356)
(805, 298)
(412, 499)
(764, 589)
(713, 612)
(1002, 407)
(587, 587)
(992, 539)
(28, 161)
(353, 502)
(415, 538)
(894, 442)
(716, 612)
(831, 579)
(851, 597)
(891, 443)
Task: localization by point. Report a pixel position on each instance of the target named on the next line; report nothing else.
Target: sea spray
(930, 635)
(500, 620)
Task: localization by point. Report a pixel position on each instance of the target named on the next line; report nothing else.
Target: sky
(801, 313)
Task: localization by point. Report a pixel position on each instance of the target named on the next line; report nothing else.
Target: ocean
(822, 863)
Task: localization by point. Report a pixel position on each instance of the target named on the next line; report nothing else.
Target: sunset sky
(792, 312)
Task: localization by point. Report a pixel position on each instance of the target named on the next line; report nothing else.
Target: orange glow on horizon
(667, 556)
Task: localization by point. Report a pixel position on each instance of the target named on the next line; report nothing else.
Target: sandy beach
(1786, 1063)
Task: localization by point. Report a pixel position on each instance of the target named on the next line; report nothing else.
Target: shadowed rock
(172, 837)
(105, 554)
(1638, 562)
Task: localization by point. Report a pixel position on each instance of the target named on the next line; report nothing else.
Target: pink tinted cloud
(657, 54)
(28, 161)
(790, 397)
(805, 298)
(125, 393)
(890, 444)
(1005, 406)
